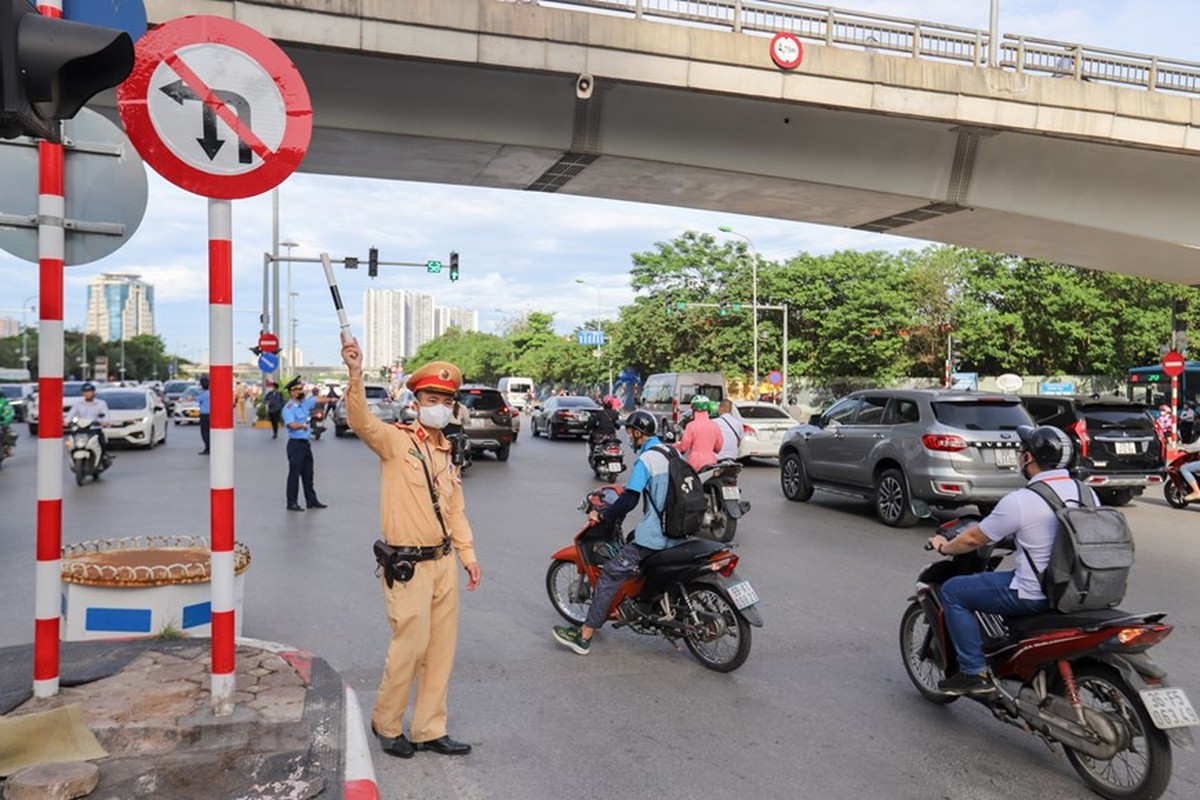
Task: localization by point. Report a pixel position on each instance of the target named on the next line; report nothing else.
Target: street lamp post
(754, 310)
(599, 319)
(291, 348)
(25, 331)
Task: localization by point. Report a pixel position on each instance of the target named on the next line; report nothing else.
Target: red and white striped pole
(220, 344)
(51, 252)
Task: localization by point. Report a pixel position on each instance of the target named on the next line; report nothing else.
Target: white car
(186, 409)
(72, 391)
(763, 426)
(136, 416)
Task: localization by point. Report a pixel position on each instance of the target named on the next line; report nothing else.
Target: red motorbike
(689, 592)
(1176, 487)
(1081, 680)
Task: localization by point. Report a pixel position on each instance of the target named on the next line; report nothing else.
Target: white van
(665, 393)
(516, 391)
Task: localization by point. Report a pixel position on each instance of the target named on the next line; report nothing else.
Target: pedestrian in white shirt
(731, 430)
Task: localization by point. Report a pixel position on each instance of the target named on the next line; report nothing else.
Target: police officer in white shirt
(731, 431)
(89, 409)
(1045, 454)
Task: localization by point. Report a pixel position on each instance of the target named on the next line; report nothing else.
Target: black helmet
(642, 421)
(88, 387)
(1049, 446)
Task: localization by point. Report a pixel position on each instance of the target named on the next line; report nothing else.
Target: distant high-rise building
(9, 327)
(397, 322)
(120, 306)
(447, 317)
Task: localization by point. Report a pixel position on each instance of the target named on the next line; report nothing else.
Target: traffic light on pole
(373, 262)
(453, 265)
(49, 68)
(723, 309)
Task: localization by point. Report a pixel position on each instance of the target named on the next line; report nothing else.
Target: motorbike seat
(690, 550)
(1024, 626)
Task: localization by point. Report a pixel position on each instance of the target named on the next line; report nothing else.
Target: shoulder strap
(665, 452)
(1046, 493)
(731, 428)
(437, 505)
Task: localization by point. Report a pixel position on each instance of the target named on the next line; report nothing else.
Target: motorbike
(8, 442)
(1175, 487)
(316, 422)
(1081, 680)
(605, 457)
(689, 592)
(725, 505)
(86, 455)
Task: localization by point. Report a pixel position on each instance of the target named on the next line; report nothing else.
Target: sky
(519, 251)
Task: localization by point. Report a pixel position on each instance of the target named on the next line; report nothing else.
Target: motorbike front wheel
(722, 641)
(80, 471)
(915, 643)
(1142, 770)
(569, 590)
(1174, 493)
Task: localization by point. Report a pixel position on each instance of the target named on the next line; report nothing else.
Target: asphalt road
(822, 708)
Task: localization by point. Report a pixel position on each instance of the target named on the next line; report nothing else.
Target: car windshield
(576, 402)
(191, 393)
(519, 387)
(479, 400)
(11, 392)
(176, 386)
(73, 389)
(376, 393)
(1118, 417)
(981, 415)
(762, 412)
(709, 390)
(123, 401)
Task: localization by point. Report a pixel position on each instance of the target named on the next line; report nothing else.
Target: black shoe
(294, 507)
(962, 684)
(202, 453)
(317, 505)
(399, 746)
(444, 746)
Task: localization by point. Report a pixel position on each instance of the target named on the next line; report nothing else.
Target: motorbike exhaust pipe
(1055, 718)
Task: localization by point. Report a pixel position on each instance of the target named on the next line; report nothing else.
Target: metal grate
(561, 171)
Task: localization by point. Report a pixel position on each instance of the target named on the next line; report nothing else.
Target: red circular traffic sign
(215, 107)
(1173, 364)
(775, 377)
(268, 343)
(786, 51)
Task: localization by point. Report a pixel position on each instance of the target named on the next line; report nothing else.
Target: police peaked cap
(293, 383)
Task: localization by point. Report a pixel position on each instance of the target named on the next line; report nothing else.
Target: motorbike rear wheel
(914, 641)
(80, 471)
(569, 590)
(1142, 770)
(723, 526)
(723, 642)
(1174, 493)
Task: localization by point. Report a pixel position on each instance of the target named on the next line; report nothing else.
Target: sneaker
(963, 684)
(571, 638)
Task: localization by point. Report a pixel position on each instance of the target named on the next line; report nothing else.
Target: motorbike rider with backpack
(648, 481)
(603, 424)
(1024, 514)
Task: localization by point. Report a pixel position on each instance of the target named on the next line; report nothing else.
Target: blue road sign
(124, 15)
(591, 338)
(268, 362)
(1057, 387)
(628, 376)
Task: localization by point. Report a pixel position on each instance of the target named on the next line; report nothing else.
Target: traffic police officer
(299, 449)
(415, 468)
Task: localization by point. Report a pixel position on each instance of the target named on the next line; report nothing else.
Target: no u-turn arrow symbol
(216, 107)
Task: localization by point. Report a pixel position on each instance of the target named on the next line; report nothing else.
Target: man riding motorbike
(88, 410)
(603, 425)
(649, 478)
(1045, 454)
(701, 438)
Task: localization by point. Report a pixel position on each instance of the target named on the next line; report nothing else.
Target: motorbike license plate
(1126, 448)
(614, 466)
(1169, 708)
(731, 492)
(1006, 458)
(743, 594)
(191, 412)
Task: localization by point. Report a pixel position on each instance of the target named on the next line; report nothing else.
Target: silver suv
(905, 450)
(379, 403)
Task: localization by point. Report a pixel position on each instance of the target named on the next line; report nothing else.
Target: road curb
(360, 770)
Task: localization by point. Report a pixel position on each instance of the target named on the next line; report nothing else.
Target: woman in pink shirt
(701, 438)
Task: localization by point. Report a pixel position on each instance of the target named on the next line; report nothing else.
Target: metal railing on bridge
(914, 38)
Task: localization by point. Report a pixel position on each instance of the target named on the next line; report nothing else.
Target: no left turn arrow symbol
(181, 92)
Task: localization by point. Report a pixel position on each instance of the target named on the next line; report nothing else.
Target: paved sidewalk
(148, 704)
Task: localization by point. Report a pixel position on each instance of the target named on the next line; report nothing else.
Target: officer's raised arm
(373, 433)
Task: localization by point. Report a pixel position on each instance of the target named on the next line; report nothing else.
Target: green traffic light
(737, 307)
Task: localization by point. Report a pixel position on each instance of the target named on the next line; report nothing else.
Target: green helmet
(699, 403)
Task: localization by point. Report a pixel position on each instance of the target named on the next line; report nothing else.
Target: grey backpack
(1092, 553)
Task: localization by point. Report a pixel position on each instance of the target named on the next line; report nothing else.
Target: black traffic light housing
(373, 262)
(49, 68)
(453, 265)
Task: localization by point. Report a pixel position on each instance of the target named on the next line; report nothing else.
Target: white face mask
(435, 416)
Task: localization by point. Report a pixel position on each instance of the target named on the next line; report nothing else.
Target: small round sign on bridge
(786, 50)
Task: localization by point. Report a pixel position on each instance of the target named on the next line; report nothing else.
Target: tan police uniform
(424, 611)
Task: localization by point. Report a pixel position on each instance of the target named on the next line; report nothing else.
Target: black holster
(400, 563)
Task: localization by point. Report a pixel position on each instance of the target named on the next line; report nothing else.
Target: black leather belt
(423, 553)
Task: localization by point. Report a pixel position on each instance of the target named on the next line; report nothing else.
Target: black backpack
(684, 510)
(1092, 553)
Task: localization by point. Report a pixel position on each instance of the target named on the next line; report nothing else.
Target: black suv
(1117, 451)
(489, 421)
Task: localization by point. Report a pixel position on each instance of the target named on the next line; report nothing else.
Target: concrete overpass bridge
(1043, 149)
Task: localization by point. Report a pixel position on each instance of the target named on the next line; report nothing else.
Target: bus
(1151, 386)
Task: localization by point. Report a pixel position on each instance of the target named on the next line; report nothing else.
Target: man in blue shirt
(648, 482)
(204, 400)
(299, 451)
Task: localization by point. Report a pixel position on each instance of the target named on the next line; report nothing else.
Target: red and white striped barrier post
(220, 344)
(51, 252)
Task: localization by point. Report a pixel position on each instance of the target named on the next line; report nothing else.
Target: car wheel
(551, 434)
(502, 453)
(339, 431)
(892, 501)
(793, 478)
(33, 429)
(1116, 497)
(533, 431)
(176, 422)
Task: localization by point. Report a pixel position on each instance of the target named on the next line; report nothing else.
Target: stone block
(55, 781)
